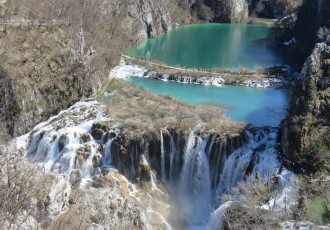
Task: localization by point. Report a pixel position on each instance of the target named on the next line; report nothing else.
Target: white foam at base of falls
(161, 217)
(216, 220)
(287, 198)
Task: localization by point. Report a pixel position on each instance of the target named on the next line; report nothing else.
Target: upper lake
(209, 46)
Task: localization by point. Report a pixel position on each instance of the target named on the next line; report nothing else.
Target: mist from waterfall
(195, 182)
(198, 190)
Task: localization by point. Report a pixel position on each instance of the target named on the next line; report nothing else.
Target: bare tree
(20, 184)
(246, 212)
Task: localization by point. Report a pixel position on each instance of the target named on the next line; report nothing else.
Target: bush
(316, 157)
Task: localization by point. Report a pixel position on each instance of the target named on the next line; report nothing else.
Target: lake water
(258, 106)
(213, 45)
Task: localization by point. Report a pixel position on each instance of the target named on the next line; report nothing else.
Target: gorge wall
(306, 130)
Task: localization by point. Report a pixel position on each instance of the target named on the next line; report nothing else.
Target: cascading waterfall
(63, 146)
(234, 169)
(198, 175)
(223, 150)
(106, 160)
(260, 151)
(195, 182)
(200, 187)
(162, 151)
(87, 167)
(172, 155)
(319, 6)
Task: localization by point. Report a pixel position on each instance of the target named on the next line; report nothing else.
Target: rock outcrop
(306, 130)
(221, 10)
(233, 11)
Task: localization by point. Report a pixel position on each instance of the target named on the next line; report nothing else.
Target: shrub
(316, 157)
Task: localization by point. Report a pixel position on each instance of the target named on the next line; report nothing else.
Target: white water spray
(163, 172)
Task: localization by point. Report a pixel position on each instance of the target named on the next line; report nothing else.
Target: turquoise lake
(213, 45)
(258, 106)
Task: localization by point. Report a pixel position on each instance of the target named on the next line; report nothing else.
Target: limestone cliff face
(221, 10)
(306, 130)
(308, 121)
(238, 12)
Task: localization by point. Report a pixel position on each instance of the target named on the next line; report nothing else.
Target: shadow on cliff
(9, 108)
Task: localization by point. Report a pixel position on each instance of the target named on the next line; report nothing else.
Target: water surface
(213, 45)
(258, 106)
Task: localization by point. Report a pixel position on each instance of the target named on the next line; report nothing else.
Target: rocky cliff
(306, 131)
(221, 10)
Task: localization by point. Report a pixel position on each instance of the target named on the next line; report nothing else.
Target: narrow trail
(28, 22)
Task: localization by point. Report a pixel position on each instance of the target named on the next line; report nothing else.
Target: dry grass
(141, 112)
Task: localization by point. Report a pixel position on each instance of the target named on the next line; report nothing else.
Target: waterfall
(195, 182)
(319, 6)
(210, 146)
(172, 155)
(205, 171)
(258, 156)
(260, 151)
(234, 170)
(222, 153)
(106, 160)
(216, 220)
(162, 151)
(87, 167)
(64, 144)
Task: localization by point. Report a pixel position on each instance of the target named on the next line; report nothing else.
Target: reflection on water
(213, 45)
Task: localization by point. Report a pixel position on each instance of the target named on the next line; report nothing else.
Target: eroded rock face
(308, 121)
(233, 11)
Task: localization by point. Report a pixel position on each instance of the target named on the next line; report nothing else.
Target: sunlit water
(213, 45)
(258, 106)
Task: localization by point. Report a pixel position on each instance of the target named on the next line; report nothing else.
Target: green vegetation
(317, 157)
(319, 208)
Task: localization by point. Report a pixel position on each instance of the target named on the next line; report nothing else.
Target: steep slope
(306, 131)
(40, 45)
(43, 65)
